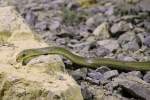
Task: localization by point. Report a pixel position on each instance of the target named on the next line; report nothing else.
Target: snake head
(28, 53)
(24, 54)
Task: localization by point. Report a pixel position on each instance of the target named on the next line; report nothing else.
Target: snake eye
(23, 55)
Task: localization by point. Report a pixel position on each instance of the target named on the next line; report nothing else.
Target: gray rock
(132, 1)
(87, 94)
(138, 90)
(102, 69)
(62, 41)
(95, 20)
(110, 74)
(134, 86)
(91, 39)
(79, 73)
(90, 21)
(129, 41)
(135, 73)
(147, 25)
(144, 5)
(30, 18)
(94, 81)
(41, 25)
(147, 41)
(146, 77)
(102, 31)
(54, 24)
(120, 27)
(125, 58)
(110, 11)
(95, 75)
(100, 51)
(132, 45)
(144, 37)
(109, 44)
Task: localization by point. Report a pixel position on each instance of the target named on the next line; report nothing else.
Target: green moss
(4, 35)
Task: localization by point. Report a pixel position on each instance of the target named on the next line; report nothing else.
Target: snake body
(26, 55)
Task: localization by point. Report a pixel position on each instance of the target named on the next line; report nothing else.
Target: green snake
(26, 55)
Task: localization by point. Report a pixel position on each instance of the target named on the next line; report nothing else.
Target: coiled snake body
(26, 55)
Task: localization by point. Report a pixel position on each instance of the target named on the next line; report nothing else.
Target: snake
(28, 54)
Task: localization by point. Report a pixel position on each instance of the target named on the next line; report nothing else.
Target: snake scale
(26, 55)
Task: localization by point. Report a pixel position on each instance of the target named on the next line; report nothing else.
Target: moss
(4, 35)
(71, 17)
(86, 3)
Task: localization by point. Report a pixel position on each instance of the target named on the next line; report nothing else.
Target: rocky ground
(118, 29)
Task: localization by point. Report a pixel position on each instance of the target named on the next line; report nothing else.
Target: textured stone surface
(44, 78)
(134, 86)
(102, 31)
(109, 44)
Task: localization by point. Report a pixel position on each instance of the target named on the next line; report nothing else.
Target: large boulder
(44, 78)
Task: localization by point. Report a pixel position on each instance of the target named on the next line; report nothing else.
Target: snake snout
(21, 56)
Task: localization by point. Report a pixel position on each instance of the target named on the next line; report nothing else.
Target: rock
(120, 27)
(91, 39)
(109, 44)
(138, 90)
(102, 69)
(134, 86)
(146, 77)
(55, 23)
(87, 94)
(125, 58)
(144, 5)
(93, 81)
(102, 31)
(99, 51)
(141, 36)
(147, 25)
(93, 92)
(132, 1)
(62, 41)
(129, 41)
(110, 11)
(30, 18)
(110, 74)
(147, 41)
(90, 21)
(135, 73)
(42, 25)
(79, 73)
(95, 75)
(85, 32)
(37, 80)
(111, 98)
(133, 45)
(96, 20)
